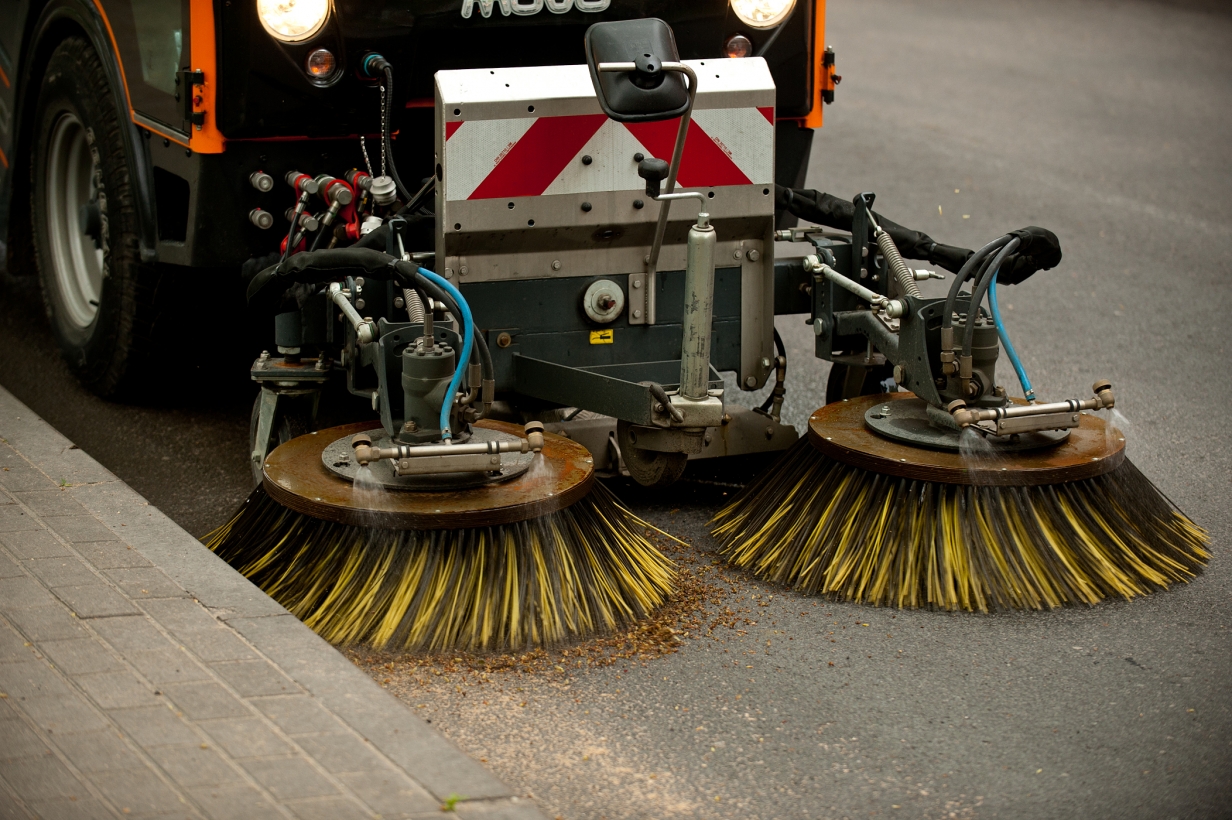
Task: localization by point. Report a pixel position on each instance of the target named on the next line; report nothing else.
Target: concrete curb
(208, 596)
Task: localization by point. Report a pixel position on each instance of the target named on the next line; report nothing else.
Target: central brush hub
(911, 421)
(339, 458)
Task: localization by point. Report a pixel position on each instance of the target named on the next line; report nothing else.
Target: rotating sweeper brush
(441, 530)
(952, 496)
(442, 527)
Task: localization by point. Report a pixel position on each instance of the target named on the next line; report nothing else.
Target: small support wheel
(649, 468)
(291, 420)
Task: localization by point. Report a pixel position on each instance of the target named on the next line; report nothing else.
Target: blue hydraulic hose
(1027, 389)
(468, 342)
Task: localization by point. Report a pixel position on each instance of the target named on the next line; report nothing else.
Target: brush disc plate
(907, 421)
(839, 431)
(339, 459)
(297, 478)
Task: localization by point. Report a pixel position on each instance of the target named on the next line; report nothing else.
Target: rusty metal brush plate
(296, 478)
(838, 430)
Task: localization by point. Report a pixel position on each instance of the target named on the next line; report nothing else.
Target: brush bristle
(585, 569)
(824, 527)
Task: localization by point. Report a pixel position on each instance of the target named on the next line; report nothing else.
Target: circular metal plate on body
(339, 458)
(603, 301)
(838, 430)
(296, 477)
(907, 420)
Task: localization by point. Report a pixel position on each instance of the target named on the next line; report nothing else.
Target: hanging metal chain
(383, 132)
(363, 146)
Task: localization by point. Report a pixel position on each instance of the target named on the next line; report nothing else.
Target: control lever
(654, 171)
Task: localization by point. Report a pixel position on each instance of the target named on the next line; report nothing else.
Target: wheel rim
(71, 182)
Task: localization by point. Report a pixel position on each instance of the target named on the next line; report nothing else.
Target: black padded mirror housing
(647, 95)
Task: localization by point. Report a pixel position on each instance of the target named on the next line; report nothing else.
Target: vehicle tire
(649, 468)
(99, 295)
(290, 422)
(847, 381)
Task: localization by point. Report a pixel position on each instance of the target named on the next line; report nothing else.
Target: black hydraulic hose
(782, 351)
(417, 201)
(947, 319)
(389, 145)
(832, 212)
(485, 356)
(977, 295)
(266, 288)
(290, 233)
(316, 240)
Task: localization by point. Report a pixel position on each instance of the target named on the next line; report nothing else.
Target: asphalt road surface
(1111, 124)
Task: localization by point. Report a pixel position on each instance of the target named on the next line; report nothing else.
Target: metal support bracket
(672, 440)
(611, 391)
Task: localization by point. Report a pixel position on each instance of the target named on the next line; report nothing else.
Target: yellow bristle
(824, 527)
(582, 570)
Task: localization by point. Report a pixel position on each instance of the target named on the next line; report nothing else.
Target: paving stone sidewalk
(140, 676)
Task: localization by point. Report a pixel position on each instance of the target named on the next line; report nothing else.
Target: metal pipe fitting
(894, 308)
(965, 417)
(366, 454)
(302, 183)
(1103, 391)
(365, 329)
(262, 181)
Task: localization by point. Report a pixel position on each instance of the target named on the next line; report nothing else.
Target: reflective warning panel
(529, 150)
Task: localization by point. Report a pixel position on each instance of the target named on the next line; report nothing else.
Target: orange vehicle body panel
(822, 76)
(207, 139)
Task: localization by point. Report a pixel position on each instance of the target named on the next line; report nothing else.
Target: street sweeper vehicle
(590, 247)
(445, 527)
(146, 146)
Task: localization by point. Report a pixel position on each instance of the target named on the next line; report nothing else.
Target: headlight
(292, 20)
(762, 13)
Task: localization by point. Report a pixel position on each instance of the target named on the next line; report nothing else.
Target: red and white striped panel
(730, 141)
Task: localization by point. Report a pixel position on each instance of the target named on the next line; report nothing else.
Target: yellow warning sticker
(601, 337)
